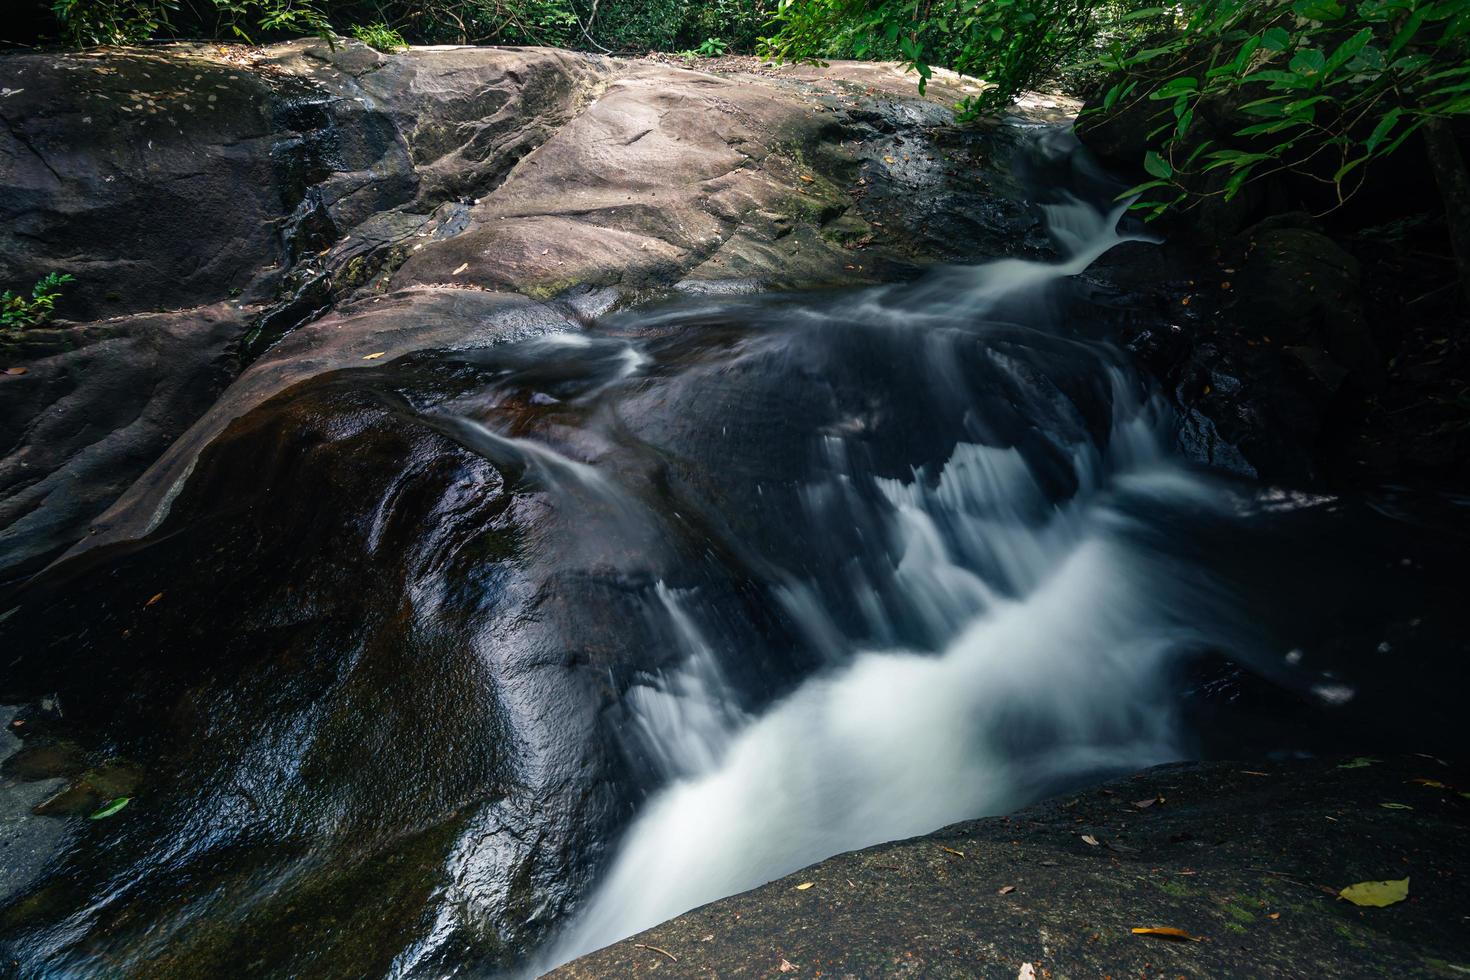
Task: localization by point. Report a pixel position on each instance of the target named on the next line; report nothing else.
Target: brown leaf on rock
(1167, 932)
(1006, 889)
(155, 599)
(788, 967)
(15, 370)
(374, 357)
(1089, 839)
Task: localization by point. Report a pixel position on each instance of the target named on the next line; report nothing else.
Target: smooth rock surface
(210, 200)
(1247, 857)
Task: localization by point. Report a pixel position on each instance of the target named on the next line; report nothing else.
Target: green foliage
(379, 36)
(1321, 88)
(18, 311)
(91, 22)
(608, 25)
(1325, 86)
(1012, 45)
(712, 47)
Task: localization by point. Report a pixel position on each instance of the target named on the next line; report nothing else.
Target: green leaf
(111, 807)
(1174, 87)
(1376, 894)
(1406, 33)
(1348, 49)
(1276, 39)
(1318, 9)
(1308, 61)
(1384, 127)
(1135, 191)
(1157, 165)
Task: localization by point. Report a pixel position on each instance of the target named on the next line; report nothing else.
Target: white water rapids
(1055, 626)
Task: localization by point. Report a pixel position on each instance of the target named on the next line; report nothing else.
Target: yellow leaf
(809, 180)
(374, 357)
(1167, 932)
(16, 371)
(805, 885)
(952, 850)
(1376, 894)
(461, 269)
(153, 600)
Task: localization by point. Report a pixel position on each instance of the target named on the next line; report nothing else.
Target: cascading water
(480, 658)
(1046, 621)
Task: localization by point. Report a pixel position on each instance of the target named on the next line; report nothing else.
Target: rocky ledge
(212, 201)
(1246, 859)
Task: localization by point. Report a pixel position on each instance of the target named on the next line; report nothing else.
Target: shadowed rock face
(400, 751)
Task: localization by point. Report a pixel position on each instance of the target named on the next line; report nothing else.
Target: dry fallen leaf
(466, 266)
(15, 370)
(1028, 972)
(952, 850)
(1396, 806)
(1145, 804)
(1274, 915)
(787, 967)
(889, 160)
(1089, 839)
(1376, 894)
(1006, 889)
(805, 885)
(1167, 932)
(153, 600)
(808, 180)
(374, 357)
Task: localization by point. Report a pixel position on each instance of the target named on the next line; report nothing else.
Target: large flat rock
(1247, 857)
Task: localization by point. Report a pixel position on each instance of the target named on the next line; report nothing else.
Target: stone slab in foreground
(1249, 858)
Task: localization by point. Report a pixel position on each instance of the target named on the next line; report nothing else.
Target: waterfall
(1053, 623)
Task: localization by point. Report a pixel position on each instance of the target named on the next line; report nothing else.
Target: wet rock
(96, 406)
(26, 841)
